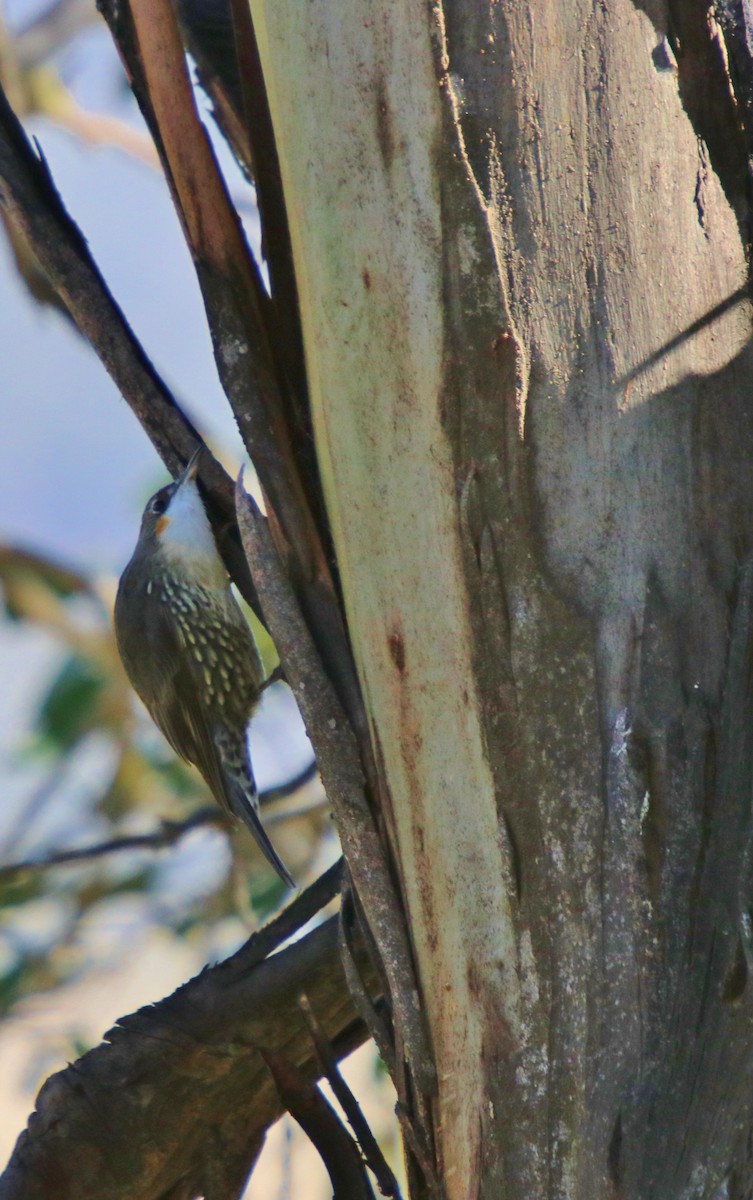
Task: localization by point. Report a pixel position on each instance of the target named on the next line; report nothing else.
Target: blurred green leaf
(79, 1046)
(68, 709)
(21, 889)
(12, 986)
(381, 1070)
(10, 609)
(141, 879)
(176, 776)
(266, 897)
(185, 924)
(29, 973)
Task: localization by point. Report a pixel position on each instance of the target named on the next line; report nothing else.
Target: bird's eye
(158, 505)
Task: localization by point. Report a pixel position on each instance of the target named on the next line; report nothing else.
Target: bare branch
(104, 1129)
(325, 1130)
(168, 833)
(292, 918)
(370, 1149)
(373, 1020)
(276, 245)
(208, 36)
(340, 766)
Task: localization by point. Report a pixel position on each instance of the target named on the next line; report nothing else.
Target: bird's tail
(243, 801)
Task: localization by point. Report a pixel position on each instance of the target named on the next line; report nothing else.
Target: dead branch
(323, 1127)
(168, 833)
(343, 778)
(178, 1094)
(368, 1144)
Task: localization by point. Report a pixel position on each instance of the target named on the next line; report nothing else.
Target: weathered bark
(505, 218)
(178, 1100)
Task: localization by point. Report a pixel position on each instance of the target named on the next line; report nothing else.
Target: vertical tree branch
(240, 315)
(342, 775)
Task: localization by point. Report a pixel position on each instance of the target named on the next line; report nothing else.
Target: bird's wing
(163, 676)
(182, 718)
(171, 681)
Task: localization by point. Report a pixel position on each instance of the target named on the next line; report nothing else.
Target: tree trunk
(509, 223)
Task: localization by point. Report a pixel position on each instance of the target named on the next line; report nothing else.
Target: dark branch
(370, 1149)
(276, 245)
(339, 762)
(292, 918)
(323, 1127)
(178, 1094)
(167, 835)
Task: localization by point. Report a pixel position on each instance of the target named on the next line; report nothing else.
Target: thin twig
(367, 1010)
(375, 1160)
(418, 1148)
(167, 835)
(281, 791)
(291, 920)
(340, 767)
(323, 1127)
(296, 814)
(276, 675)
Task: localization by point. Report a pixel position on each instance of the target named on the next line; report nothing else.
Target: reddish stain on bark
(396, 644)
(384, 126)
(366, 277)
(475, 983)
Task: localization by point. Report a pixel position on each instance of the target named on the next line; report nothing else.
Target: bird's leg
(275, 676)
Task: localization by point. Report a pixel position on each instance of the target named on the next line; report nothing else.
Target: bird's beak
(191, 468)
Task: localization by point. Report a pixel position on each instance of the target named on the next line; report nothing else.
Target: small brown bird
(189, 652)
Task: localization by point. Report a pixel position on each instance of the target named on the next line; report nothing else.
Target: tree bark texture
(510, 222)
(177, 1101)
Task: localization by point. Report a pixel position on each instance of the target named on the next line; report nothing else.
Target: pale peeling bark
(499, 215)
(367, 231)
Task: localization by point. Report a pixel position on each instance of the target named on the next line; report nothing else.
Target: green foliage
(266, 896)
(69, 708)
(13, 984)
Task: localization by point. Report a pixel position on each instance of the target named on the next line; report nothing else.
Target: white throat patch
(186, 533)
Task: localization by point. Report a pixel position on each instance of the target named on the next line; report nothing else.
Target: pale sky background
(75, 470)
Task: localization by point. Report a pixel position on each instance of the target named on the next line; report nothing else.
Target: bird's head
(175, 520)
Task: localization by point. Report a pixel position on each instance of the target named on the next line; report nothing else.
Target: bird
(188, 650)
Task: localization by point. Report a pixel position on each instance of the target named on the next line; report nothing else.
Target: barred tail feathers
(243, 801)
